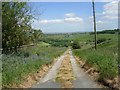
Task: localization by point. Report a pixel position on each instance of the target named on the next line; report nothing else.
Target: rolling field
(105, 58)
(28, 60)
(53, 45)
(81, 38)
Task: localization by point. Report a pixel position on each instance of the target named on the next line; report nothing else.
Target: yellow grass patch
(65, 74)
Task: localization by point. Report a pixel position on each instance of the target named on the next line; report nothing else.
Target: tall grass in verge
(102, 59)
(16, 66)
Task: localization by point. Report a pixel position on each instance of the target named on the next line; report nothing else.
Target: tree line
(16, 25)
(107, 31)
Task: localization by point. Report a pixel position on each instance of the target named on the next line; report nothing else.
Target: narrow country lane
(49, 80)
(82, 80)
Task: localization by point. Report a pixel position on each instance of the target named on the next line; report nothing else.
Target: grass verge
(65, 74)
(18, 65)
(105, 59)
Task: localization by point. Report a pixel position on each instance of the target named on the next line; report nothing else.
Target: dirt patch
(32, 79)
(93, 72)
(65, 74)
(112, 83)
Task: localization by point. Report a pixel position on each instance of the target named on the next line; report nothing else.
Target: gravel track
(49, 80)
(82, 80)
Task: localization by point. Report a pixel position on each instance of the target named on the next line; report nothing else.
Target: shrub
(75, 45)
(26, 54)
(101, 40)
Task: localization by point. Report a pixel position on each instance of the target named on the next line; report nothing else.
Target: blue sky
(73, 16)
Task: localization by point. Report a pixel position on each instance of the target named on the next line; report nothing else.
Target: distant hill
(107, 31)
(98, 32)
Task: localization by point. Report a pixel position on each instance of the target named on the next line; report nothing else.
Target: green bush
(26, 54)
(75, 45)
(101, 40)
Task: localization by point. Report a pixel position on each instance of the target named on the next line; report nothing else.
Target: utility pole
(95, 33)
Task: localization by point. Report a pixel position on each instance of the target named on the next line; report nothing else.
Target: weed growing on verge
(18, 65)
(105, 59)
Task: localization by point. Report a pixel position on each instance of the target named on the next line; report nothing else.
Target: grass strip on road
(65, 74)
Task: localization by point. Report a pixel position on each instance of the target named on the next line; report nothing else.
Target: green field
(79, 36)
(28, 60)
(25, 45)
(83, 39)
(105, 58)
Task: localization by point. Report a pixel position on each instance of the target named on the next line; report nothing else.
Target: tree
(36, 35)
(16, 18)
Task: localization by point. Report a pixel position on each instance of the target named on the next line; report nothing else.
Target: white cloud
(51, 21)
(108, 18)
(101, 22)
(70, 17)
(91, 17)
(105, 0)
(74, 19)
(110, 10)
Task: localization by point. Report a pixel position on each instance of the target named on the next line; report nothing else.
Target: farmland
(85, 40)
(56, 47)
(105, 58)
(30, 59)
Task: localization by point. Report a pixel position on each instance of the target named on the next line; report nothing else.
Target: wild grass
(105, 58)
(18, 65)
(79, 37)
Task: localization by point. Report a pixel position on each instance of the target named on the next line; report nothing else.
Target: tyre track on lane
(82, 79)
(49, 80)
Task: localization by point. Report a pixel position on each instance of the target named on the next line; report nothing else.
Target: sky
(64, 17)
